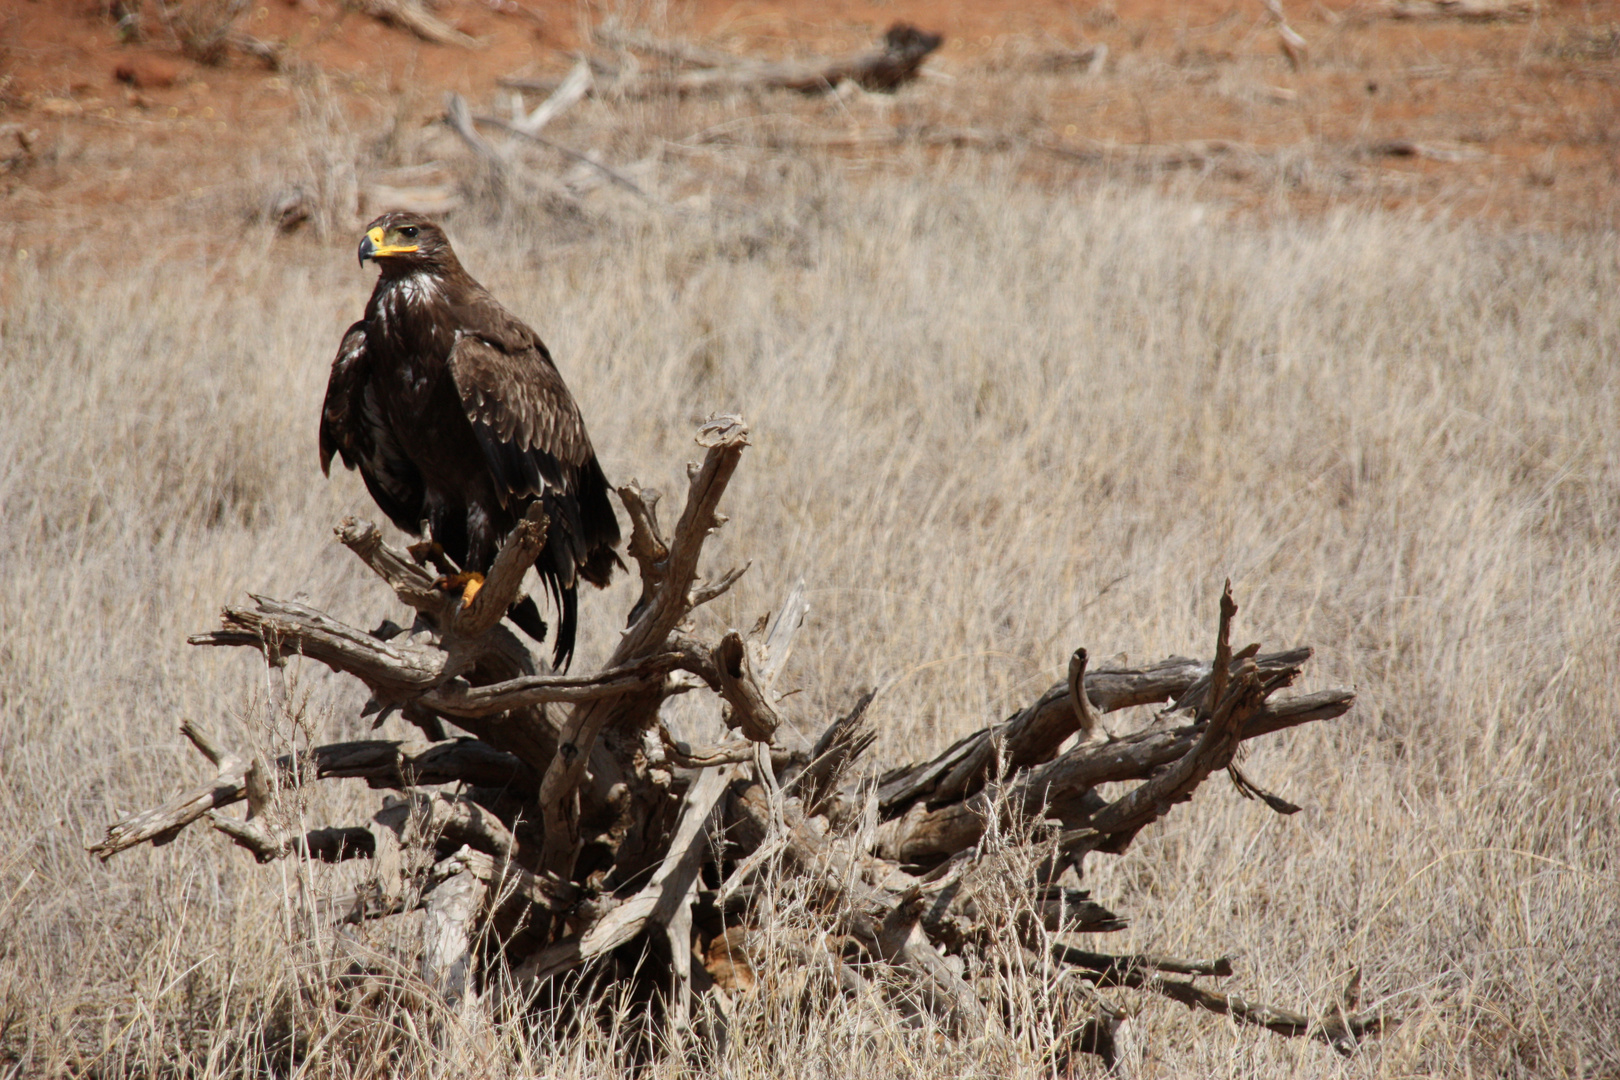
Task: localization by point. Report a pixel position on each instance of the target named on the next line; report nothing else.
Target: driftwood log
(567, 815)
(895, 61)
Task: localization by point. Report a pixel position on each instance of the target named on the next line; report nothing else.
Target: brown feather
(454, 412)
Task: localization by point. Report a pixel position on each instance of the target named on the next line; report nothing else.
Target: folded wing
(352, 426)
(534, 442)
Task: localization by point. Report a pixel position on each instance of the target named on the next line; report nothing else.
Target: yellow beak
(373, 246)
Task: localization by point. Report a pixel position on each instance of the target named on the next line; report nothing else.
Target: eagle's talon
(468, 582)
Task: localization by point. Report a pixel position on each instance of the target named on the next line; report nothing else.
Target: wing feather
(534, 442)
(354, 427)
(526, 421)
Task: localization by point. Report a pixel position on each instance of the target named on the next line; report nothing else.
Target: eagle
(458, 420)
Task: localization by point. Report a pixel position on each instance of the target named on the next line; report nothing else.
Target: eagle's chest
(413, 339)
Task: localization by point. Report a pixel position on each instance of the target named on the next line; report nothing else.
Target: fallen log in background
(895, 62)
(572, 821)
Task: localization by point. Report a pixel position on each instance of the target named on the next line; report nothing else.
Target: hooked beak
(373, 246)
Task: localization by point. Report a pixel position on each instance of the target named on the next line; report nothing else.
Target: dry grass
(991, 424)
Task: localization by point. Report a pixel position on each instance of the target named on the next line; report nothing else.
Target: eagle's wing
(527, 424)
(354, 428)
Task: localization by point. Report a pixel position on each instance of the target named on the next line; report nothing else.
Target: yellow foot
(469, 582)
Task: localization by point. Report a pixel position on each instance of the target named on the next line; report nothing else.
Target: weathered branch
(683, 755)
(381, 762)
(515, 128)
(393, 670)
(410, 582)
(749, 708)
(1239, 700)
(510, 883)
(657, 903)
(411, 15)
(647, 544)
(567, 94)
(456, 698)
(1117, 967)
(203, 740)
(1107, 690)
(448, 935)
(163, 823)
(424, 818)
(924, 835)
(326, 845)
(894, 63)
(1342, 1032)
(725, 437)
(839, 746)
(1029, 740)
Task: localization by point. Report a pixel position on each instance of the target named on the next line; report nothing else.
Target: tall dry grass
(990, 424)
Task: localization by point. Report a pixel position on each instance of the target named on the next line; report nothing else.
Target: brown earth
(1513, 118)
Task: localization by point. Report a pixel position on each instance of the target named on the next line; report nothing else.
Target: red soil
(1513, 120)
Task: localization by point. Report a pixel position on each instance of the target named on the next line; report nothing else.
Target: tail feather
(562, 653)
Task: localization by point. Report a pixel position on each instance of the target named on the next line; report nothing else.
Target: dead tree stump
(571, 821)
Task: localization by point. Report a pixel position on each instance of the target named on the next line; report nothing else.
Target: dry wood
(893, 64)
(326, 845)
(747, 706)
(725, 437)
(655, 904)
(426, 819)
(893, 864)
(1466, 10)
(457, 698)
(568, 93)
(1107, 690)
(926, 835)
(1288, 39)
(535, 137)
(1342, 1032)
(839, 747)
(416, 18)
(448, 934)
(381, 762)
(676, 52)
(512, 884)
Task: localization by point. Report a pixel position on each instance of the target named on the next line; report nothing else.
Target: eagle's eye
(409, 232)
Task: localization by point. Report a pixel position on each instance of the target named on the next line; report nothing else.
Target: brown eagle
(456, 417)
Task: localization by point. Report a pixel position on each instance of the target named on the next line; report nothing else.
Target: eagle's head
(405, 243)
